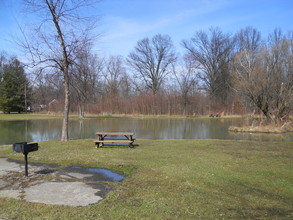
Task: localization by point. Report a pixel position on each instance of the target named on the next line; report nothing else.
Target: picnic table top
(115, 133)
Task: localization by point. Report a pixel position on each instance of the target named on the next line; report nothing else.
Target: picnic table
(115, 138)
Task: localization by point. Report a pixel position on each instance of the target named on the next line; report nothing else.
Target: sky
(125, 22)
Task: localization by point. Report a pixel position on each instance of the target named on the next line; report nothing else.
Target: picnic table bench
(115, 138)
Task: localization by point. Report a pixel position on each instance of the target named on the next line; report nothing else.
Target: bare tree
(113, 74)
(126, 86)
(248, 44)
(248, 39)
(213, 54)
(84, 74)
(185, 76)
(116, 80)
(151, 60)
(47, 86)
(52, 43)
(264, 74)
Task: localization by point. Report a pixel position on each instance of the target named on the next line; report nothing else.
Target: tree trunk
(81, 110)
(268, 115)
(65, 135)
(65, 65)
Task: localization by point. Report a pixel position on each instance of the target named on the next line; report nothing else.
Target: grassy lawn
(29, 116)
(173, 179)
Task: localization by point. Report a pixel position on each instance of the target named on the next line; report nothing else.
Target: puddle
(97, 174)
(45, 171)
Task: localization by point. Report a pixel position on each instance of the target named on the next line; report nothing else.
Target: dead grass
(272, 128)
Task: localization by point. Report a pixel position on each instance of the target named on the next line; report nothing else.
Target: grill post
(26, 169)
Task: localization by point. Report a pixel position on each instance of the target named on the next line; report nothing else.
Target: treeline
(218, 73)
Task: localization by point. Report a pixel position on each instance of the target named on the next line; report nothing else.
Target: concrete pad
(65, 186)
(10, 193)
(3, 183)
(62, 193)
(6, 166)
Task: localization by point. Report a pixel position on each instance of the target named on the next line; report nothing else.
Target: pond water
(144, 128)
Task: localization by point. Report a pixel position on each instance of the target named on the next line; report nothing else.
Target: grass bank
(29, 116)
(33, 116)
(272, 128)
(173, 179)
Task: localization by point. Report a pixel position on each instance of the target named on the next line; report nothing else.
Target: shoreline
(31, 116)
(287, 127)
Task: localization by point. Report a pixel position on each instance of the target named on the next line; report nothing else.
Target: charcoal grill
(25, 148)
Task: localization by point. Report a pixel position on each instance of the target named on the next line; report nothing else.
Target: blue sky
(124, 22)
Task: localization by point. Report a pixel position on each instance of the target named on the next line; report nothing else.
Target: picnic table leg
(101, 138)
(131, 143)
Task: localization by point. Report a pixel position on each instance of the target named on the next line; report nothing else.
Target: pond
(144, 128)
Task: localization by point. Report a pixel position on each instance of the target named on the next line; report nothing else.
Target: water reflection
(98, 174)
(13, 130)
(150, 128)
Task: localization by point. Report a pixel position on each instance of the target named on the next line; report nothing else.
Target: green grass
(29, 116)
(173, 179)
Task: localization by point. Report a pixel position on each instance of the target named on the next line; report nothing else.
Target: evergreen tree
(14, 87)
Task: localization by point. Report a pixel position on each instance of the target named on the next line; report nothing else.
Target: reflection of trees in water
(83, 128)
(218, 128)
(116, 124)
(173, 128)
(157, 128)
(41, 130)
(88, 128)
(200, 129)
(176, 128)
(145, 128)
(13, 131)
